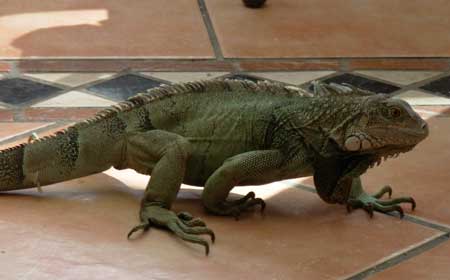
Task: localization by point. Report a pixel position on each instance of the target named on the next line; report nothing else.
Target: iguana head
(382, 126)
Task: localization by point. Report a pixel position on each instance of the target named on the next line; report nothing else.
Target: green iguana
(223, 133)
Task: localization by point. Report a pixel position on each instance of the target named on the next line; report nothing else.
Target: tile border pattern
(31, 111)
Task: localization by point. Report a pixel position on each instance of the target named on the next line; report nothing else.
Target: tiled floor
(62, 61)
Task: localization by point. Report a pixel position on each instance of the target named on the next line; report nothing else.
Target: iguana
(222, 133)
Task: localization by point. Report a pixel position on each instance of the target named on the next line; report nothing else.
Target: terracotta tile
(323, 64)
(327, 28)
(75, 99)
(114, 65)
(177, 77)
(55, 114)
(6, 115)
(103, 29)
(417, 97)
(70, 79)
(80, 227)
(399, 64)
(8, 130)
(296, 78)
(5, 67)
(400, 77)
(432, 264)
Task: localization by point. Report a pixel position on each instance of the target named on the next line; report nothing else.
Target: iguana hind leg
(370, 203)
(164, 154)
(257, 167)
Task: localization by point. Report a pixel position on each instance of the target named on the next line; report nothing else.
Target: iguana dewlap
(220, 134)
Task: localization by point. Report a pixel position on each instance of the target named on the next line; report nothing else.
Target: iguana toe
(234, 208)
(183, 225)
(385, 189)
(371, 203)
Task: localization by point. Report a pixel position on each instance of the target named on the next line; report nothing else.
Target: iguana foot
(182, 224)
(236, 207)
(372, 203)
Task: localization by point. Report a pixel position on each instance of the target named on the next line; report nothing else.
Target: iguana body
(219, 134)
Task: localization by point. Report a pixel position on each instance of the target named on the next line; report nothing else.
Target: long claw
(391, 208)
(399, 200)
(369, 209)
(188, 237)
(197, 230)
(144, 227)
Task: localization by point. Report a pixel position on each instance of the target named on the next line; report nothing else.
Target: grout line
(210, 28)
(401, 256)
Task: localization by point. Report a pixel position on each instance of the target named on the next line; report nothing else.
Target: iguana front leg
(256, 167)
(164, 155)
(358, 198)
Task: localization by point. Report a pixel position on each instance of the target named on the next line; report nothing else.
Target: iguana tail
(11, 168)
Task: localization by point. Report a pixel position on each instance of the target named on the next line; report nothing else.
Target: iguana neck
(321, 122)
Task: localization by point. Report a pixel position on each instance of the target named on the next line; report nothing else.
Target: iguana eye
(394, 112)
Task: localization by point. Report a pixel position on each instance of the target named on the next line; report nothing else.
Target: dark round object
(254, 3)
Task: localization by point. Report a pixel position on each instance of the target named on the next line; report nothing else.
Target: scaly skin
(219, 134)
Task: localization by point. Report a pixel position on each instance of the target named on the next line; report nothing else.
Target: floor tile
(327, 28)
(295, 78)
(75, 99)
(17, 91)
(363, 83)
(416, 97)
(9, 130)
(123, 87)
(70, 79)
(440, 86)
(433, 264)
(179, 77)
(103, 29)
(81, 228)
(400, 77)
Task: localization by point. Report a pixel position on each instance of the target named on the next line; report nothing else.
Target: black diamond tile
(17, 91)
(361, 82)
(441, 86)
(123, 87)
(244, 77)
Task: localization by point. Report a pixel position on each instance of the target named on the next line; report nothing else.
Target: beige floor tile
(295, 78)
(433, 264)
(75, 99)
(416, 97)
(178, 77)
(401, 77)
(70, 79)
